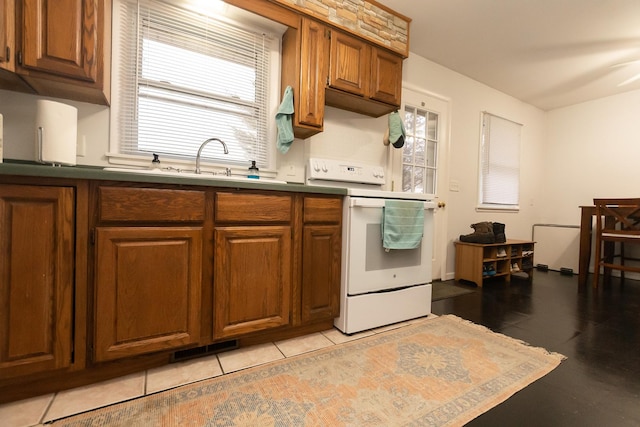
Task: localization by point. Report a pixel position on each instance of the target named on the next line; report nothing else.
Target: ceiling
(548, 53)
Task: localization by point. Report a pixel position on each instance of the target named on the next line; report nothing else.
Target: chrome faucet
(226, 151)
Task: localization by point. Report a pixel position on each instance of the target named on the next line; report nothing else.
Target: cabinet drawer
(322, 209)
(150, 205)
(237, 207)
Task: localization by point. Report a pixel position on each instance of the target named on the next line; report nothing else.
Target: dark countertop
(98, 173)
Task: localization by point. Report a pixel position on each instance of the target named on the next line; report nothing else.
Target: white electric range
(378, 287)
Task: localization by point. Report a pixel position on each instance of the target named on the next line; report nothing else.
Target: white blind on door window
(500, 161)
(187, 77)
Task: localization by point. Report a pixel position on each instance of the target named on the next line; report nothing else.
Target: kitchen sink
(190, 174)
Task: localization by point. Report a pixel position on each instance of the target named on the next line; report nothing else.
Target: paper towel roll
(56, 132)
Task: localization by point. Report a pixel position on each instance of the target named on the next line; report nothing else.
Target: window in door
(420, 151)
(499, 163)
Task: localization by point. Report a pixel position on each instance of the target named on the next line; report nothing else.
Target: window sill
(499, 208)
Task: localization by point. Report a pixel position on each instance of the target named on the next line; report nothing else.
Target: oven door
(367, 267)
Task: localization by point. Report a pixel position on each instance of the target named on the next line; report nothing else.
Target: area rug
(449, 289)
(437, 372)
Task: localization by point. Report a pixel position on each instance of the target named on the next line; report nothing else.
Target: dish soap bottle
(155, 163)
(254, 172)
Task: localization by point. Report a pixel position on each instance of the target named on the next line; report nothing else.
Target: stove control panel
(344, 171)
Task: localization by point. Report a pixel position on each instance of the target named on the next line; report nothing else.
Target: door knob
(441, 204)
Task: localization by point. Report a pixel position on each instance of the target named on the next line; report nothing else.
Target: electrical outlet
(292, 173)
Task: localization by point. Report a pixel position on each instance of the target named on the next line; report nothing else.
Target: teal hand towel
(284, 121)
(396, 130)
(402, 224)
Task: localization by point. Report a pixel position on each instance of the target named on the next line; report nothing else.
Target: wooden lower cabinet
(101, 279)
(148, 287)
(252, 279)
(36, 278)
(321, 251)
(321, 258)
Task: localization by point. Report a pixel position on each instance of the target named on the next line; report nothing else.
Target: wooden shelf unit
(474, 261)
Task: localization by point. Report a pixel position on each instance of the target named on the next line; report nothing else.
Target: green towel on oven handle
(402, 224)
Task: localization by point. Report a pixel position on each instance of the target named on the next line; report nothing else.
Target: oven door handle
(362, 202)
(366, 203)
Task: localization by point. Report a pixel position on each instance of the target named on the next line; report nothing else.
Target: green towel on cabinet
(284, 121)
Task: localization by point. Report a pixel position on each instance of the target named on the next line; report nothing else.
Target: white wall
(591, 151)
(19, 111)
(357, 137)
(468, 99)
(560, 149)
(346, 135)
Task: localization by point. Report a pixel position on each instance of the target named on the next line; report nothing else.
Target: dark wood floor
(599, 332)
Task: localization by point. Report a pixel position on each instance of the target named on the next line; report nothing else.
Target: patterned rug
(437, 372)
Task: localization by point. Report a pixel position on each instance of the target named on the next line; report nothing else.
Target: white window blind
(500, 162)
(186, 77)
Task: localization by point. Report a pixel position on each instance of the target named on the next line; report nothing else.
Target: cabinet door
(386, 76)
(148, 283)
(60, 37)
(252, 279)
(321, 254)
(7, 34)
(36, 278)
(349, 64)
(313, 73)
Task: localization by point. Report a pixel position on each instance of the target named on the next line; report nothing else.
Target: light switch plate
(81, 146)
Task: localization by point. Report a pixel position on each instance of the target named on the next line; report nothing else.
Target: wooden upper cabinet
(60, 37)
(7, 34)
(312, 72)
(330, 67)
(349, 64)
(304, 68)
(386, 76)
(64, 47)
(362, 77)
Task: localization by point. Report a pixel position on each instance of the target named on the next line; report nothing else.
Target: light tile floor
(43, 409)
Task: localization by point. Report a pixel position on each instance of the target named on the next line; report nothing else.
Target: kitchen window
(183, 75)
(499, 163)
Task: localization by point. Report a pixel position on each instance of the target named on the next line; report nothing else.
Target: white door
(421, 164)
